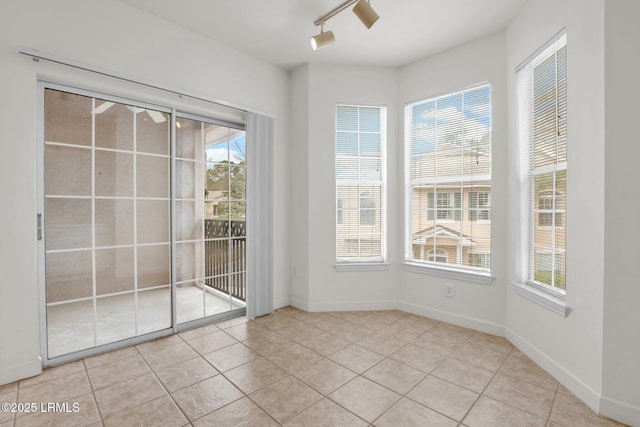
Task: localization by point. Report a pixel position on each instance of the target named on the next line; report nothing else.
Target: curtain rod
(37, 55)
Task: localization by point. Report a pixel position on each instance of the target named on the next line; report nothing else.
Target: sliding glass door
(118, 242)
(210, 218)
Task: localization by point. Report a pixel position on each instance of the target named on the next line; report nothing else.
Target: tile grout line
(481, 394)
(385, 357)
(161, 385)
(278, 324)
(553, 402)
(244, 394)
(93, 392)
(446, 357)
(357, 375)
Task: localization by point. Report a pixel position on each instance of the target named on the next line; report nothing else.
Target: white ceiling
(278, 31)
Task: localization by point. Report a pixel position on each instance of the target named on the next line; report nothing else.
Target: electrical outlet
(448, 291)
(294, 272)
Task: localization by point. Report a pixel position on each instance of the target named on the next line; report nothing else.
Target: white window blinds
(360, 183)
(448, 151)
(542, 87)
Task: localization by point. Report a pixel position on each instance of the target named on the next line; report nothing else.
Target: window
(479, 206)
(437, 255)
(360, 183)
(448, 151)
(542, 87)
(367, 210)
(482, 260)
(447, 208)
(546, 211)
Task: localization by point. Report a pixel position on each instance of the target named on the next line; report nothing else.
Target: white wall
(474, 305)
(594, 351)
(322, 287)
(299, 186)
(569, 348)
(621, 370)
(113, 36)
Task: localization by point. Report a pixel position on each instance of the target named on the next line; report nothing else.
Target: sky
(234, 150)
(438, 117)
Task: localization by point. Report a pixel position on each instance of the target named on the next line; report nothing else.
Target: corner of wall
(26, 369)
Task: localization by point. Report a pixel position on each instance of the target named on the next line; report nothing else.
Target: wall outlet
(448, 291)
(294, 272)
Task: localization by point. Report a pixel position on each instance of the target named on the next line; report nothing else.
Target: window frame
(376, 213)
(456, 212)
(537, 217)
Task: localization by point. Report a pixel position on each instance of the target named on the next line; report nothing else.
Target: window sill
(362, 266)
(551, 302)
(450, 273)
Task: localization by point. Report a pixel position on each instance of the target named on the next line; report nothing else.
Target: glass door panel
(209, 174)
(110, 262)
(106, 211)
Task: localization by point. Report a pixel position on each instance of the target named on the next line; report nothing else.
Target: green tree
(230, 179)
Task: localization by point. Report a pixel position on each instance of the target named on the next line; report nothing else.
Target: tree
(230, 179)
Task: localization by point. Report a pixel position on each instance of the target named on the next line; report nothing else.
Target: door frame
(43, 84)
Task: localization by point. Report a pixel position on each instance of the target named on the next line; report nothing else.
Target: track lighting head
(365, 13)
(323, 39)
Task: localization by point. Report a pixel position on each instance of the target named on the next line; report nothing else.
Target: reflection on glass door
(107, 221)
(210, 210)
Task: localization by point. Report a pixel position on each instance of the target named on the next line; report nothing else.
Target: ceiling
(278, 31)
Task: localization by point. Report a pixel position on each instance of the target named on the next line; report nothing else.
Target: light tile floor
(292, 368)
(71, 325)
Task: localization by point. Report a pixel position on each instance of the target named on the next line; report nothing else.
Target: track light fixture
(323, 39)
(362, 10)
(365, 13)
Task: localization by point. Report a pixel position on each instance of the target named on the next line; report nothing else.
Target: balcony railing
(225, 257)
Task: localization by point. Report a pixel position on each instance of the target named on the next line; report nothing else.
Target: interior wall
(570, 348)
(621, 370)
(298, 188)
(474, 305)
(113, 36)
(321, 287)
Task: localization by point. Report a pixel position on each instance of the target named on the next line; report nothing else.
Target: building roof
(421, 237)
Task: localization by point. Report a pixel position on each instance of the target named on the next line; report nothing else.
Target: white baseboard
(620, 411)
(31, 368)
(279, 303)
(560, 373)
(453, 318)
(299, 303)
(343, 305)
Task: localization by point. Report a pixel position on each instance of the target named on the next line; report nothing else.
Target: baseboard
(620, 411)
(453, 318)
(560, 373)
(343, 305)
(31, 368)
(299, 303)
(283, 302)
